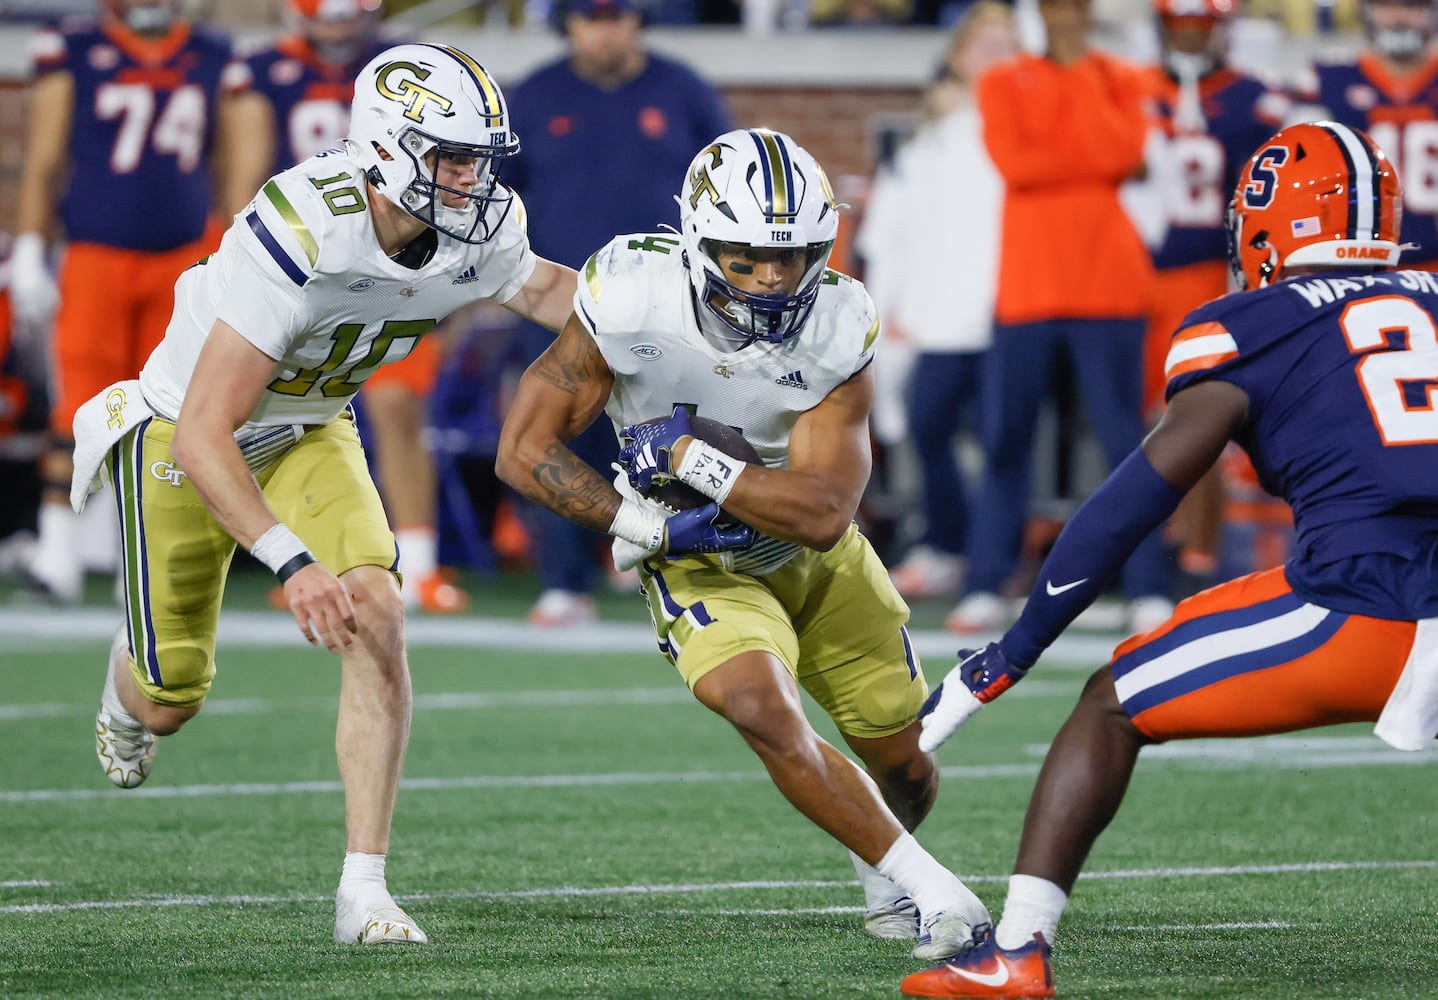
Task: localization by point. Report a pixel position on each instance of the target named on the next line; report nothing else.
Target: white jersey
(301, 275)
(635, 298)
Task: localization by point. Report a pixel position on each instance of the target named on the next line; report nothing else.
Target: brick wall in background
(837, 125)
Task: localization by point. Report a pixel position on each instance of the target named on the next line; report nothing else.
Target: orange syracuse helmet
(1316, 194)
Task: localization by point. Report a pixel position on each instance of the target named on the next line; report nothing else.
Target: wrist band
(292, 567)
(708, 470)
(638, 525)
(282, 551)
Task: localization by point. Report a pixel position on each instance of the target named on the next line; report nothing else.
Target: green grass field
(572, 824)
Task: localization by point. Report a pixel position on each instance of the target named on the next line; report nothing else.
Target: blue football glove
(647, 449)
(694, 530)
(977, 679)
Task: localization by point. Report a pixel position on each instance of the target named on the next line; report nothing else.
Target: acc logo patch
(646, 352)
(360, 284)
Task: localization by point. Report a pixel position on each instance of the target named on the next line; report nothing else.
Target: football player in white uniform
(238, 430)
(738, 318)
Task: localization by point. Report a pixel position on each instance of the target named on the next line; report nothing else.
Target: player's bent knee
(379, 608)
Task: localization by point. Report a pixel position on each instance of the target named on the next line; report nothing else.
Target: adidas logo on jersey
(794, 380)
(466, 277)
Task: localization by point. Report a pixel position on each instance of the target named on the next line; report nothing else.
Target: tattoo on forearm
(573, 490)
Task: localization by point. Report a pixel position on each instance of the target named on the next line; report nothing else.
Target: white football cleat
(943, 935)
(897, 920)
(125, 747)
(372, 917)
(125, 753)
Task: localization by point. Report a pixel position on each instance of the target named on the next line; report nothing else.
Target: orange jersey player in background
(126, 114)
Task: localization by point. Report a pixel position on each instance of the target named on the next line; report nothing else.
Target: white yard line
(30, 629)
(702, 888)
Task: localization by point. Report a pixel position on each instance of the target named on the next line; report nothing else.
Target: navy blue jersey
(593, 163)
(1401, 116)
(141, 131)
(311, 98)
(1240, 113)
(1341, 375)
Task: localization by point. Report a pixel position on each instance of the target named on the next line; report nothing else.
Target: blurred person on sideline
(129, 123)
(238, 429)
(930, 243)
(1065, 130)
(1390, 91)
(738, 318)
(1213, 117)
(296, 104)
(1311, 368)
(606, 129)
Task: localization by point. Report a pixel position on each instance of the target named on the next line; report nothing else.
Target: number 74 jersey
(1341, 375)
(301, 275)
(140, 139)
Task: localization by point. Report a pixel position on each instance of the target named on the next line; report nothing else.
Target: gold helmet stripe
(493, 102)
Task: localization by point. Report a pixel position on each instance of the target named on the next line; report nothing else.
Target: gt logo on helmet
(700, 180)
(1263, 177)
(415, 98)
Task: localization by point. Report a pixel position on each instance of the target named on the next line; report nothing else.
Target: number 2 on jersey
(1398, 384)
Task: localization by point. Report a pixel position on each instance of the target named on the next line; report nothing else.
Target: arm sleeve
(1090, 551)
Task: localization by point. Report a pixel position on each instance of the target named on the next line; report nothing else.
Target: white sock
(110, 696)
(363, 871)
(878, 890)
(1034, 907)
(932, 886)
(57, 554)
(418, 552)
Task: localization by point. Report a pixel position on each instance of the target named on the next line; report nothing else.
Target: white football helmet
(757, 188)
(411, 100)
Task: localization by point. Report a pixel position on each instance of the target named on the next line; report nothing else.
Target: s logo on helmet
(1262, 180)
(416, 99)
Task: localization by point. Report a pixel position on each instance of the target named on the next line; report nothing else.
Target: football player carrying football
(1322, 370)
(738, 318)
(238, 428)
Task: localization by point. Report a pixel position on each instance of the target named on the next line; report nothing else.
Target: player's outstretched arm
(547, 298)
(224, 390)
(1135, 499)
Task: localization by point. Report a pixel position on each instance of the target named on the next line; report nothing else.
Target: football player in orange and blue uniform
(1212, 117)
(1391, 92)
(129, 110)
(1323, 372)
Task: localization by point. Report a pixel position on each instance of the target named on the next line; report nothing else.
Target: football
(675, 495)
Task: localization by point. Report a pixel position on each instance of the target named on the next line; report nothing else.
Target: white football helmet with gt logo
(411, 100)
(757, 188)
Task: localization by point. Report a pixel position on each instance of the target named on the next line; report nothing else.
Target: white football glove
(978, 678)
(953, 705)
(33, 297)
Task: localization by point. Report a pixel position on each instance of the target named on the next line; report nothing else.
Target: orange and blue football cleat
(986, 970)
